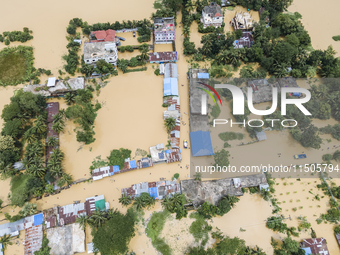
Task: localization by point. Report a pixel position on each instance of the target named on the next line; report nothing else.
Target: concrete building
(262, 91)
(242, 21)
(212, 15)
(164, 31)
(246, 40)
(100, 50)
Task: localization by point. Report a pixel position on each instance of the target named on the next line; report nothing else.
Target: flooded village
(134, 107)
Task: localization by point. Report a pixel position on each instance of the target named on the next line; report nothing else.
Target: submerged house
(212, 15)
(164, 30)
(315, 246)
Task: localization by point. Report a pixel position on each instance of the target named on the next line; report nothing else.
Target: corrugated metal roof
(170, 87)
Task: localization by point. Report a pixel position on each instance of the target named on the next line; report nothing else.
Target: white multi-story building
(100, 50)
(164, 30)
(212, 15)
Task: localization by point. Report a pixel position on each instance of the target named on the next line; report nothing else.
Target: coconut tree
(36, 170)
(186, 31)
(167, 204)
(58, 126)
(336, 155)
(57, 154)
(52, 141)
(232, 200)
(6, 170)
(170, 124)
(56, 171)
(139, 203)
(40, 127)
(82, 220)
(70, 98)
(97, 219)
(65, 179)
(30, 135)
(28, 209)
(111, 213)
(5, 241)
(125, 200)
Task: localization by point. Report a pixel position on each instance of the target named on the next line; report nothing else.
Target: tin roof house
(164, 30)
(163, 57)
(246, 40)
(212, 15)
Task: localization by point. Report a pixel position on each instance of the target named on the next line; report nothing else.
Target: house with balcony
(212, 15)
(164, 31)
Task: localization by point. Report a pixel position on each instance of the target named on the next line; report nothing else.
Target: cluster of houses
(64, 235)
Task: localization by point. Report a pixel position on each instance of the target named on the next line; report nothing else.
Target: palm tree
(125, 200)
(186, 31)
(57, 154)
(65, 179)
(30, 136)
(5, 241)
(170, 124)
(198, 176)
(167, 204)
(70, 98)
(139, 204)
(40, 126)
(28, 209)
(56, 171)
(36, 170)
(232, 200)
(111, 213)
(52, 141)
(336, 155)
(82, 220)
(58, 126)
(6, 171)
(97, 218)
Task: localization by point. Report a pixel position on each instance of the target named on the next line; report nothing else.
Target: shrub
(156, 72)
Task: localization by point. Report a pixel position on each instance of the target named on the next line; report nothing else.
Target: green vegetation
(84, 114)
(143, 201)
(169, 124)
(199, 229)
(288, 246)
(16, 36)
(112, 237)
(16, 65)
(6, 240)
(222, 158)
(72, 58)
(215, 112)
(144, 34)
(45, 249)
(304, 225)
(207, 210)
(117, 157)
(156, 72)
(125, 200)
(228, 136)
(333, 130)
(154, 229)
(175, 204)
(336, 38)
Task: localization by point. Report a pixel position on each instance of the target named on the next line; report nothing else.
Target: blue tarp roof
(153, 192)
(203, 75)
(307, 250)
(133, 164)
(38, 219)
(168, 151)
(201, 144)
(170, 87)
(297, 94)
(115, 170)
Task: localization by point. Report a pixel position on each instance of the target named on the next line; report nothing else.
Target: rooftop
(213, 191)
(213, 9)
(316, 245)
(164, 24)
(102, 35)
(163, 56)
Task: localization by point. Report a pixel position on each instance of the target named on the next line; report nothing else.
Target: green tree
(52, 141)
(222, 158)
(45, 249)
(28, 209)
(114, 236)
(117, 157)
(70, 98)
(125, 200)
(169, 124)
(231, 246)
(97, 219)
(5, 240)
(82, 220)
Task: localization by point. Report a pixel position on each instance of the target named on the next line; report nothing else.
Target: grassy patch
(200, 228)
(18, 189)
(16, 65)
(215, 112)
(228, 136)
(336, 38)
(154, 229)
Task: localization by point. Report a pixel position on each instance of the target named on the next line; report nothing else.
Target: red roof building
(103, 36)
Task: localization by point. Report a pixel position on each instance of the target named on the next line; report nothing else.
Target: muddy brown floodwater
(131, 117)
